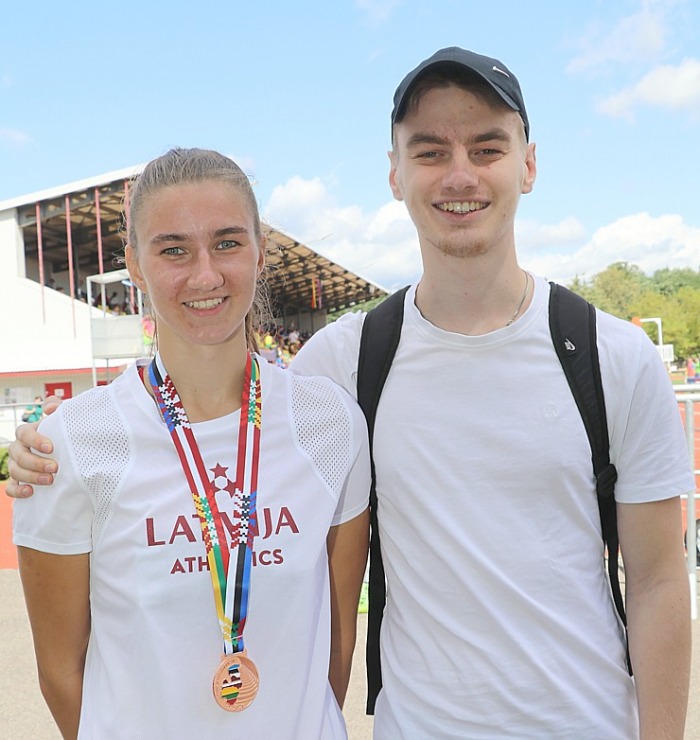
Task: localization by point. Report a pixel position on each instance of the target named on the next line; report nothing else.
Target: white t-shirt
(155, 641)
(499, 620)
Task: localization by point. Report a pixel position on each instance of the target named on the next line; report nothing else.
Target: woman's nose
(205, 273)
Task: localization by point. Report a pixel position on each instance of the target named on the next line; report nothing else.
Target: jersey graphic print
(185, 528)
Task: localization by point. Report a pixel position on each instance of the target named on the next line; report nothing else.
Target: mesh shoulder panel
(323, 426)
(100, 442)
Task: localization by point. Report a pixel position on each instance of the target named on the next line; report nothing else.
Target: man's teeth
(211, 303)
(460, 207)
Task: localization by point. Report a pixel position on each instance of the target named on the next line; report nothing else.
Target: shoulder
(316, 403)
(341, 336)
(332, 352)
(621, 341)
(325, 422)
(618, 339)
(324, 396)
(307, 389)
(93, 416)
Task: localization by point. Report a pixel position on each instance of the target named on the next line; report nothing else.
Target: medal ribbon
(230, 580)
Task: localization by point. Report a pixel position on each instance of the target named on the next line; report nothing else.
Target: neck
(472, 297)
(209, 381)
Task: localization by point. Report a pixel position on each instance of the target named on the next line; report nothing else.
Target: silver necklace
(522, 300)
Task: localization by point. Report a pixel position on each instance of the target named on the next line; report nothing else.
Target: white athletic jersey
(155, 641)
(499, 620)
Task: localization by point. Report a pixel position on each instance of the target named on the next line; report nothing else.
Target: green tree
(617, 288)
(4, 455)
(671, 294)
(366, 306)
(669, 281)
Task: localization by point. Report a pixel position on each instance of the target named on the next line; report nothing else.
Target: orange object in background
(8, 552)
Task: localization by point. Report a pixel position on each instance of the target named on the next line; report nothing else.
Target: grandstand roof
(300, 279)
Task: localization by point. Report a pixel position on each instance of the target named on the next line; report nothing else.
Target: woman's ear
(132, 265)
(261, 256)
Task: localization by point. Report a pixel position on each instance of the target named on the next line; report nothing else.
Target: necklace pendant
(236, 682)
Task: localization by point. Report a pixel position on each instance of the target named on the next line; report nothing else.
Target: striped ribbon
(230, 580)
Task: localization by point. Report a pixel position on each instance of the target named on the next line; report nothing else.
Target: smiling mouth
(458, 206)
(209, 303)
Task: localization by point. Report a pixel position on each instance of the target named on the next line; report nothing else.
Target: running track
(8, 556)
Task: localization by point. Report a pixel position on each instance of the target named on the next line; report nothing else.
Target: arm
(27, 466)
(658, 614)
(56, 590)
(347, 556)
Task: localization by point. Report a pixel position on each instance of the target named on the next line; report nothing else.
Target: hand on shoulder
(28, 463)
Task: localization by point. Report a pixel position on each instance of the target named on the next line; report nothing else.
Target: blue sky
(300, 95)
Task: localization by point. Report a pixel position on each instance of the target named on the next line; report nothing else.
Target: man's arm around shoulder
(27, 463)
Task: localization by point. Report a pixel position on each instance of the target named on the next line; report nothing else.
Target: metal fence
(11, 418)
(687, 396)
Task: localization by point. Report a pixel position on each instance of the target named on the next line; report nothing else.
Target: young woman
(196, 571)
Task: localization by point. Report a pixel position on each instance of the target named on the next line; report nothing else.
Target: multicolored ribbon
(230, 580)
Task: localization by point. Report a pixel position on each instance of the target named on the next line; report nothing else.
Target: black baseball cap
(493, 72)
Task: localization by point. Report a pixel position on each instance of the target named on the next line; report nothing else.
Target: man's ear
(132, 265)
(393, 180)
(530, 169)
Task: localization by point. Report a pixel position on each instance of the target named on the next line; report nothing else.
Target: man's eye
(228, 244)
(172, 250)
(428, 155)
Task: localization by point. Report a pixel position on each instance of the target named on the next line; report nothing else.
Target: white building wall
(11, 247)
(42, 329)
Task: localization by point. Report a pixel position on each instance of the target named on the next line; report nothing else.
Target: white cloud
(14, 136)
(382, 245)
(666, 86)
(649, 242)
(633, 38)
(533, 236)
(377, 10)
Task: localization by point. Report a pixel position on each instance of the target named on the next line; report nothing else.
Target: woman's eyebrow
(180, 237)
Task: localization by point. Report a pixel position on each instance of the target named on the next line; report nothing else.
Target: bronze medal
(235, 682)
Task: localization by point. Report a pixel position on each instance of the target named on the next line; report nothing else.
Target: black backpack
(572, 324)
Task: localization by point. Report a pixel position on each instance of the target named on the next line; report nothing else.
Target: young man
(499, 620)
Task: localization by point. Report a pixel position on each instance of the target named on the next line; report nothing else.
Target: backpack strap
(572, 323)
(381, 332)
